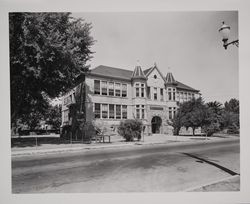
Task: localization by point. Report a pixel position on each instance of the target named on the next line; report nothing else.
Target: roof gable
(150, 70)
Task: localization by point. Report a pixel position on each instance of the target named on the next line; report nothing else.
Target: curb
(210, 183)
(86, 148)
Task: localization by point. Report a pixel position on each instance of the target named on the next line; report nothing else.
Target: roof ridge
(112, 68)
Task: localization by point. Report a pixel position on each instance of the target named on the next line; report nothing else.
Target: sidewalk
(116, 142)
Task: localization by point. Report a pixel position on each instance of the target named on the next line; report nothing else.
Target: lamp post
(225, 31)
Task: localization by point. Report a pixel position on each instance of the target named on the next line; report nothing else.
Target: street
(155, 168)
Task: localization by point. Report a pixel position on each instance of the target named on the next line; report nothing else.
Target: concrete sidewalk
(116, 142)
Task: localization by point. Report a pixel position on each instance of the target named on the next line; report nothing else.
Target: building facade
(114, 94)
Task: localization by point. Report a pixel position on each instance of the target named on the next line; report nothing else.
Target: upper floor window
(185, 96)
(161, 93)
(96, 87)
(148, 92)
(192, 95)
(177, 96)
(124, 90)
(117, 89)
(137, 91)
(155, 93)
(169, 95)
(111, 88)
(104, 88)
(142, 90)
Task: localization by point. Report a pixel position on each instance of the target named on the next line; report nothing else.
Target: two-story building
(114, 94)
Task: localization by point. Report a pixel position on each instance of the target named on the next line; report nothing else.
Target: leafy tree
(230, 117)
(53, 116)
(232, 106)
(194, 113)
(48, 51)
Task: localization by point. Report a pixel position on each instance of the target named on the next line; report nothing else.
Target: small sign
(156, 108)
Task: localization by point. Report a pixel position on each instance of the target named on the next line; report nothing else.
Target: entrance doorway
(156, 124)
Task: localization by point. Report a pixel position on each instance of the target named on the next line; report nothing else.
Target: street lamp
(225, 30)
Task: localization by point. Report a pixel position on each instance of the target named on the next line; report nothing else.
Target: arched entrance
(156, 124)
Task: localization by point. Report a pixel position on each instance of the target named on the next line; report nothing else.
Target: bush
(233, 129)
(130, 129)
(211, 128)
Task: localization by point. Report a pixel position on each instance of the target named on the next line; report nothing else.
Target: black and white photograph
(125, 101)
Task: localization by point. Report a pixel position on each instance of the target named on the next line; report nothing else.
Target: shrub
(130, 129)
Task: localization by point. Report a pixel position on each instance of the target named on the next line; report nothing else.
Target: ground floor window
(118, 111)
(111, 111)
(140, 111)
(97, 110)
(104, 110)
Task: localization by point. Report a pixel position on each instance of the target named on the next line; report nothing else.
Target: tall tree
(48, 51)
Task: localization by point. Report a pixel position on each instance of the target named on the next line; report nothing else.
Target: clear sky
(187, 42)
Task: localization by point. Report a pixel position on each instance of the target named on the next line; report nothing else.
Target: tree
(53, 116)
(48, 51)
(232, 106)
(230, 116)
(194, 113)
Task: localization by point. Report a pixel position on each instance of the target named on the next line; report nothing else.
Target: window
(96, 87)
(104, 88)
(161, 92)
(124, 112)
(169, 95)
(148, 92)
(66, 115)
(104, 110)
(117, 89)
(189, 96)
(192, 95)
(174, 111)
(124, 90)
(111, 88)
(170, 113)
(137, 91)
(142, 90)
(174, 96)
(111, 111)
(97, 110)
(182, 95)
(138, 111)
(118, 111)
(185, 96)
(155, 93)
(178, 96)
(142, 111)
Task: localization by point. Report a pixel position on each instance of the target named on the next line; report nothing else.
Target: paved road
(158, 168)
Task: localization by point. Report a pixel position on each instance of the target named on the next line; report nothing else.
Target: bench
(101, 138)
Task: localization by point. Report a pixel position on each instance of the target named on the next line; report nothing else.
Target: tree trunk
(193, 130)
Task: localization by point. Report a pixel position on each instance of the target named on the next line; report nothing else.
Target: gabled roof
(107, 71)
(147, 70)
(185, 87)
(112, 72)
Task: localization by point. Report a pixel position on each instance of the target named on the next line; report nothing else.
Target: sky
(187, 44)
